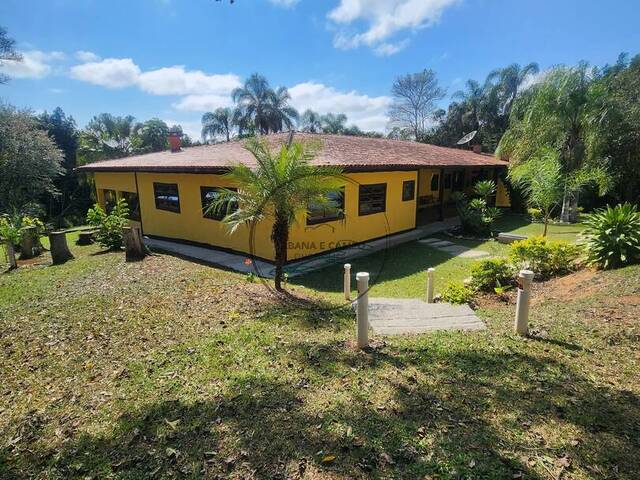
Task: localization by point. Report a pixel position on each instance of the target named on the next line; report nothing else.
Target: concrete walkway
(454, 249)
(400, 316)
(236, 261)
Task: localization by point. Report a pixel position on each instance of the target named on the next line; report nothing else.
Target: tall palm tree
(219, 122)
(510, 80)
(282, 115)
(107, 136)
(279, 189)
(311, 122)
(556, 114)
(255, 99)
(472, 97)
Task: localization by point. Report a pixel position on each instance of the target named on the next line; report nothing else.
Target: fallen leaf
(328, 459)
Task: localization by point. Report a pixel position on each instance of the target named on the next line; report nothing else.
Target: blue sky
(175, 59)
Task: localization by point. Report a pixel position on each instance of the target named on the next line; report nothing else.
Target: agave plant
(612, 236)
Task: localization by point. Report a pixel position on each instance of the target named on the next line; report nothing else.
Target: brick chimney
(477, 148)
(175, 141)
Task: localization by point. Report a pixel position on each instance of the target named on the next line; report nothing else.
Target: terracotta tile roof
(352, 153)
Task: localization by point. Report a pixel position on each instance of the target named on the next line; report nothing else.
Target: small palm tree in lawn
(219, 122)
(280, 188)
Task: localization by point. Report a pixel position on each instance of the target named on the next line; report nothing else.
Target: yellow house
(391, 186)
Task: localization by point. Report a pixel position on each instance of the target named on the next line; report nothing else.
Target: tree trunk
(11, 255)
(280, 237)
(546, 224)
(134, 246)
(27, 242)
(60, 252)
(566, 207)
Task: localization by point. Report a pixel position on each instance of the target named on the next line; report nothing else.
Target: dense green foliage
(542, 182)
(613, 236)
(488, 274)
(457, 293)
(546, 258)
(30, 161)
(476, 216)
(109, 225)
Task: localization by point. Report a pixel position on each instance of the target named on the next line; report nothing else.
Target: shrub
(545, 257)
(486, 275)
(613, 236)
(457, 293)
(476, 217)
(536, 215)
(8, 231)
(109, 225)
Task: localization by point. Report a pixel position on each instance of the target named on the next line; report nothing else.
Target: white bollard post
(362, 311)
(522, 306)
(430, 282)
(347, 281)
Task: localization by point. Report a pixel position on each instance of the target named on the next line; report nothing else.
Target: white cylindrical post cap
(526, 274)
(362, 276)
(431, 269)
(347, 266)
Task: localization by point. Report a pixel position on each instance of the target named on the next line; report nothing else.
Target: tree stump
(60, 252)
(86, 237)
(134, 247)
(28, 242)
(11, 255)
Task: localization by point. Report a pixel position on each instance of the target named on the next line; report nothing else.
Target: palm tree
(279, 189)
(510, 80)
(107, 136)
(472, 97)
(219, 122)
(557, 114)
(334, 123)
(311, 122)
(254, 99)
(281, 113)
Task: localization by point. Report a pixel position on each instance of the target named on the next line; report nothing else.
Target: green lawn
(401, 271)
(170, 369)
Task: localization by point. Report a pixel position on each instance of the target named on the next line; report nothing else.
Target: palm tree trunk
(280, 238)
(546, 224)
(566, 207)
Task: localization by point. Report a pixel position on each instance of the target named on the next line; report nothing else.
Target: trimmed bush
(546, 258)
(486, 275)
(457, 293)
(613, 236)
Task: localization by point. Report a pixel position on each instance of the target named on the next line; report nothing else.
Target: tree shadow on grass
(447, 414)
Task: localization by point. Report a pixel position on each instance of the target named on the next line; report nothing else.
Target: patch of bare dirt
(580, 284)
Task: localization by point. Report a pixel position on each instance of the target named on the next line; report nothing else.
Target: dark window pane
(408, 190)
(166, 195)
(325, 213)
(435, 182)
(208, 195)
(110, 200)
(447, 181)
(133, 202)
(372, 199)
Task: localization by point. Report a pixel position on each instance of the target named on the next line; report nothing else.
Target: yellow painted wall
(502, 195)
(400, 215)
(305, 240)
(424, 187)
(120, 182)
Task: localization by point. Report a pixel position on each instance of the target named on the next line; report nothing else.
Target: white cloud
(178, 81)
(110, 72)
(384, 19)
(203, 103)
(34, 64)
(368, 113)
(86, 56)
(284, 3)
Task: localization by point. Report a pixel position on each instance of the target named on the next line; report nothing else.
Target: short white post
(430, 281)
(362, 311)
(347, 281)
(522, 306)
